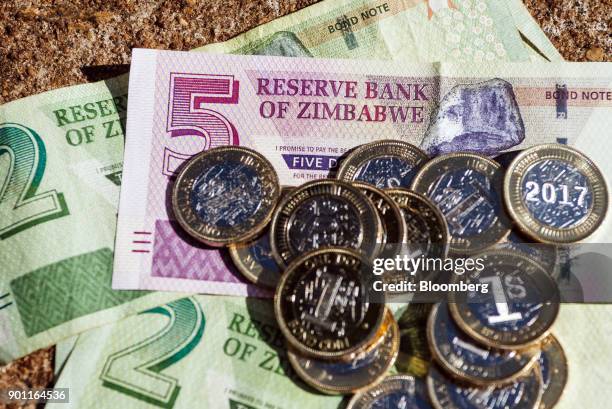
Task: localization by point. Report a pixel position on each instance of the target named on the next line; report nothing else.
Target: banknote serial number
(59, 395)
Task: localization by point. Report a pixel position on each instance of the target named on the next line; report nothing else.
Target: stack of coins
(314, 244)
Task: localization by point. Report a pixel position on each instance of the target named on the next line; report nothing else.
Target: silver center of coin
(227, 194)
(467, 200)
(327, 302)
(557, 194)
(323, 221)
(387, 172)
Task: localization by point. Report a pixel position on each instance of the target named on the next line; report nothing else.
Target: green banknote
(201, 351)
(537, 44)
(63, 349)
(404, 30)
(61, 156)
(228, 353)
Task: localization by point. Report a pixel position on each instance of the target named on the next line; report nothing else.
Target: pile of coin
(312, 244)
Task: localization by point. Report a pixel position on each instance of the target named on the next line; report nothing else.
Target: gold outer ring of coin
(387, 147)
(370, 240)
(437, 404)
(393, 207)
(181, 190)
(374, 315)
(389, 383)
(524, 219)
(558, 372)
(380, 335)
(374, 375)
(437, 167)
(403, 196)
(237, 250)
(475, 329)
(462, 375)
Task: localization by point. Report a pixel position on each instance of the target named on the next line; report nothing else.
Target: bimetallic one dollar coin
(467, 188)
(518, 309)
(254, 258)
(466, 360)
(396, 391)
(339, 377)
(225, 195)
(553, 365)
(384, 164)
(394, 229)
(322, 304)
(555, 194)
(524, 393)
(324, 213)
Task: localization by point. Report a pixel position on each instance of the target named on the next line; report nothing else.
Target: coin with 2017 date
(462, 357)
(325, 213)
(322, 305)
(553, 365)
(368, 368)
(225, 195)
(395, 391)
(555, 194)
(517, 310)
(384, 164)
(467, 188)
(524, 393)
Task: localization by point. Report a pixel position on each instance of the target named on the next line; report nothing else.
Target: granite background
(47, 44)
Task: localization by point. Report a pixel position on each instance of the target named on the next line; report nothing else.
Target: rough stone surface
(30, 372)
(576, 26)
(47, 44)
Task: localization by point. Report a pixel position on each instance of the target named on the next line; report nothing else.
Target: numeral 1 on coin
(501, 303)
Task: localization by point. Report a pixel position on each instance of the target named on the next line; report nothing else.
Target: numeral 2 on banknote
(137, 370)
(20, 180)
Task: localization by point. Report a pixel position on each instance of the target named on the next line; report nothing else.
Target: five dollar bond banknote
(304, 114)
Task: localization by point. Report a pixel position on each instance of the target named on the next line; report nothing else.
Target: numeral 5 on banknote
(191, 113)
(183, 103)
